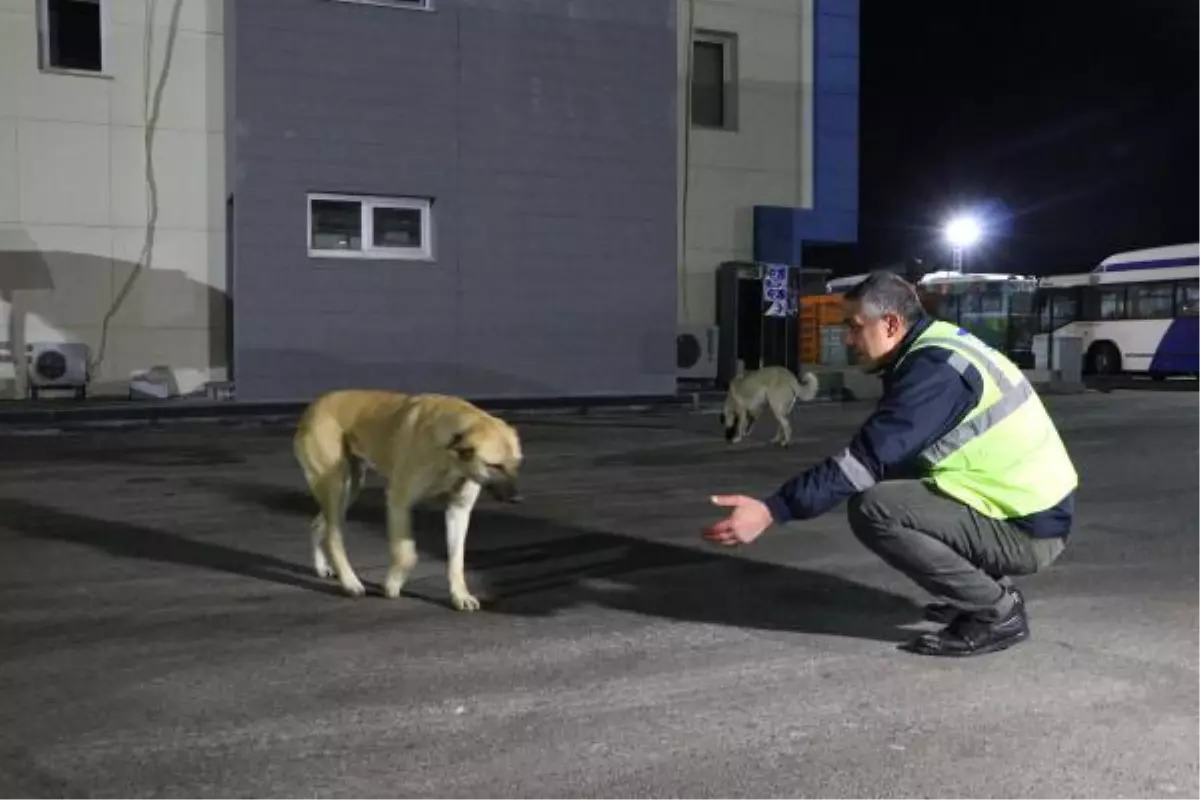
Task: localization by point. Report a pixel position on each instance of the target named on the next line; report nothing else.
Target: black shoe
(944, 613)
(941, 613)
(969, 635)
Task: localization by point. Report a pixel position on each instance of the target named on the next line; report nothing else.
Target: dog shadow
(125, 540)
(526, 566)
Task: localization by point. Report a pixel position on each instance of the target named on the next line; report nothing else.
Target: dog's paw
(392, 587)
(354, 588)
(322, 568)
(464, 602)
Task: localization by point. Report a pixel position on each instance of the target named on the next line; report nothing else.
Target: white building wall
(765, 160)
(75, 200)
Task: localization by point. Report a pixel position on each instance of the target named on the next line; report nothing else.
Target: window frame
(368, 204)
(1180, 297)
(403, 5)
(1150, 288)
(1051, 300)
(43, 26)
(728, 41)
(1118, 290)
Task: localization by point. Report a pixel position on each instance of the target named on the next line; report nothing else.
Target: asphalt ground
(162, 633)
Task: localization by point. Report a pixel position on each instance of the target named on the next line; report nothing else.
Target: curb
(140, 414)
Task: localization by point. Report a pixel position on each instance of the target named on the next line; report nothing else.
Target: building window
(714, 80)
(414, 5)
(350, 226)
(72, 35)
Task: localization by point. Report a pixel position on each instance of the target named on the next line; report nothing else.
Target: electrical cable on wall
(151, 111)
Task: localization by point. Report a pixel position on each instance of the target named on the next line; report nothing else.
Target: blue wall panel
(780, 231)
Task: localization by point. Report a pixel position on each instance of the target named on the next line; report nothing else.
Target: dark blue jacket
(923, 399)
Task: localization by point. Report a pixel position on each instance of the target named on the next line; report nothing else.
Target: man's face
(873, 338)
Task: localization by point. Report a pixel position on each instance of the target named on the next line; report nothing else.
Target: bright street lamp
(962, 232)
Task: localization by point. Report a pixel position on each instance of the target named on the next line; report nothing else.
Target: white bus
(1136, 312)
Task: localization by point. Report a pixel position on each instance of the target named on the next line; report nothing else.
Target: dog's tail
(807, 387)
(319, 444)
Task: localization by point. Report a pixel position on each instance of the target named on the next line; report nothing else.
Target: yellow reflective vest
(1005, 459)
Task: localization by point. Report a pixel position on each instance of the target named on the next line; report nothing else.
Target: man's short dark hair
(884, 292)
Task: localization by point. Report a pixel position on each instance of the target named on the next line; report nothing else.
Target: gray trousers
(947, 548)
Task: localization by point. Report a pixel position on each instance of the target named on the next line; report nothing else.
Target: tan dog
(426, 447)
(775, 387)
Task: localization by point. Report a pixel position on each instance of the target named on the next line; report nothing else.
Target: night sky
(1071, 126)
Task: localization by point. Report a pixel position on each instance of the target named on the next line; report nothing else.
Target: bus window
(1187, 299)
(948, 308)
(992, 302)
(970, 304)
(1112, 303)
(1043, 311)
(1020, 300)
(1057, 307)
(1151, 300)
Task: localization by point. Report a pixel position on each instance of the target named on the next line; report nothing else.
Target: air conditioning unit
(58, 365)
(696, 352)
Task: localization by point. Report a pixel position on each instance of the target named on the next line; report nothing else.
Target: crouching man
(958, 480)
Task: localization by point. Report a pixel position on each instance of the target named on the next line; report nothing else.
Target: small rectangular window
(72, 35)
(414, 5)
(397, 227)
(337, 225)
(349, 226)
(714, 80)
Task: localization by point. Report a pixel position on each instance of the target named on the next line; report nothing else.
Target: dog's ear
(461, 448)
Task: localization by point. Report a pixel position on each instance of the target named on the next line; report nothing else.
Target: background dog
(426, 447)
(775, 387)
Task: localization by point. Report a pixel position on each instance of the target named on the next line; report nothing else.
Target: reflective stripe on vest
(1013, 394)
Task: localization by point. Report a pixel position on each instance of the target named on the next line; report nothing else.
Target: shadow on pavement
(737, 458)
(56, 451)
(531, 567)
(133, 541)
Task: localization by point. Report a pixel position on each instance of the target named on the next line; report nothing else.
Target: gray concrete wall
(545, 131)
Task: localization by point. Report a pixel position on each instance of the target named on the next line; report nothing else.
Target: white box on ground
(156, 383)
(1065, 357)
(1068, 359)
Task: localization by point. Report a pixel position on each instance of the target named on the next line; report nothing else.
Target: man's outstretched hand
(746, 523)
